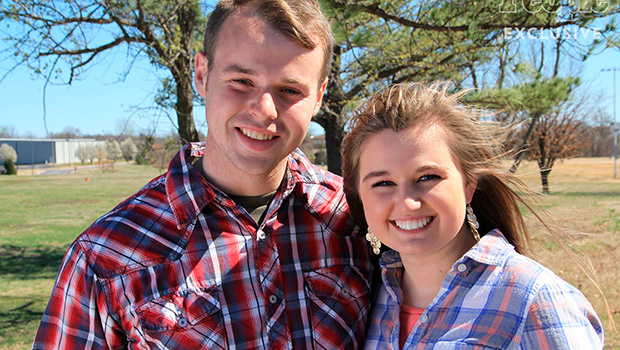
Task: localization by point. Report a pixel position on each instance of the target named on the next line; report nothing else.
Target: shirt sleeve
(74, 314)
(562, 318)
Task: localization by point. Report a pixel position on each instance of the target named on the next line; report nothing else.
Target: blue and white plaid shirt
(493, 297)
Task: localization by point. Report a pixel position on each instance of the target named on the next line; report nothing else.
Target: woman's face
(413, 192)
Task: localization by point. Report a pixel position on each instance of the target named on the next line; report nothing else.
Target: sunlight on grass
(41, 216)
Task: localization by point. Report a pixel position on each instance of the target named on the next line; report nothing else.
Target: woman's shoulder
(517, 270)
(530, 272)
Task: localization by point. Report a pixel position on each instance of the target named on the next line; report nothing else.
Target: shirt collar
(188, 192)
(492, 249)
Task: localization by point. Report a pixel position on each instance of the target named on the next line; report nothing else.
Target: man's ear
(201, 73)
(319, 99)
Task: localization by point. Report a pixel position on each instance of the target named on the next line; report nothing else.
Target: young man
(242, 244)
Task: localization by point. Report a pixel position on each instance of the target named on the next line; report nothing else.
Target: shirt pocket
(339, 296)
(187, 320)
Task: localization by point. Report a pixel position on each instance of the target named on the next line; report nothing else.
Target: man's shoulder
(321, 193)
(140, 231)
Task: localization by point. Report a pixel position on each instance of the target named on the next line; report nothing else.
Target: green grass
(41, 215)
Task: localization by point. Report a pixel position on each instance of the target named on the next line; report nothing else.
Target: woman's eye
(383, 184)
(429, 177)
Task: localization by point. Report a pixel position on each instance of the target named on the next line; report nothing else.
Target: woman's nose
(409, 200)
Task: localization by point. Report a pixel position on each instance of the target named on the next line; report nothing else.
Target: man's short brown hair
(301, 20)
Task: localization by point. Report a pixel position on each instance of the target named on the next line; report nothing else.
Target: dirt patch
(613, 205)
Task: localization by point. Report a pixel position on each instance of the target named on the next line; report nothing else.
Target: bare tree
(8, 131)
(75, 34)
(560, 134)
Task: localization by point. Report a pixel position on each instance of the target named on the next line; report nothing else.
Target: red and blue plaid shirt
(492, 298)
(180, 266)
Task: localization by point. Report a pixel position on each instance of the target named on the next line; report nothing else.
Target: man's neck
(240, 183)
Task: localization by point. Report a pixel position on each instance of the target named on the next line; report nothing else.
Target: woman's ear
(470, 189)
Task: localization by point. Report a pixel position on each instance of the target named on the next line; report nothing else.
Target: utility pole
(614, 123)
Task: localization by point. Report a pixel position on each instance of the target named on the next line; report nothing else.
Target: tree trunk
(333, 119)
(334, 133)
(523, 147)
(544, 177)
(185, 109)
(183, 77)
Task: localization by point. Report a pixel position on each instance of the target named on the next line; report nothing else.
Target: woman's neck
(423, 275)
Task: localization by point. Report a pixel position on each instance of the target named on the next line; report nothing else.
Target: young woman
(423, 174)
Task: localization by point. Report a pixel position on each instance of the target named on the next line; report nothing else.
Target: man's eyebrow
(375, 174)
(234, 68)
(294, 81)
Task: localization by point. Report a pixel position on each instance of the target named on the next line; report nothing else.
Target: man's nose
(263, 106)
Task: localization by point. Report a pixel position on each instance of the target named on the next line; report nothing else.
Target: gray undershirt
(256, 206)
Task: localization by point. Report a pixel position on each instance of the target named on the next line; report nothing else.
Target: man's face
(261, 93)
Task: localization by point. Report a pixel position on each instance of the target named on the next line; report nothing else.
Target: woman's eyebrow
(375, 174)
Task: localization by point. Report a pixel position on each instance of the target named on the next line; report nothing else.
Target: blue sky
(101, 100)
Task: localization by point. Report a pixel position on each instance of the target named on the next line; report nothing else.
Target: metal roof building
(46, 151)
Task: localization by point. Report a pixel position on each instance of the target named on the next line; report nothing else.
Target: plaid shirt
(180, 266)
(492, 298)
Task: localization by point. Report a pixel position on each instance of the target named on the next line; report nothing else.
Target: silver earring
(472, 220)
(374, 242)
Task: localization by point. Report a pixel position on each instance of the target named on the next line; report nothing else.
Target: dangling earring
(374, 242)
(472, 220)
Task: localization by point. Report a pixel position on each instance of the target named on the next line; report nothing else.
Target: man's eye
(242, 81)
(290, 91)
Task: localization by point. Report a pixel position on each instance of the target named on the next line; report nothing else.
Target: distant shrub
(10, 167)
(9, 157)
(7, 152)
(129, 149)
(141, 159)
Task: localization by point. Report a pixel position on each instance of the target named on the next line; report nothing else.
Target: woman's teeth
(412, 224)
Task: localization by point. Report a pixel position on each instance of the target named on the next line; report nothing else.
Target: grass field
(41, 215)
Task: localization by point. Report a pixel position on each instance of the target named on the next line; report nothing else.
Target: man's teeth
(256, 136)
(412, 224)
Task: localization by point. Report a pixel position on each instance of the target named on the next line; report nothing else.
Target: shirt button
(182, 322)
(273, 299)
(424, 318)
(260, 234)
(461, 267)
(345, 292)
